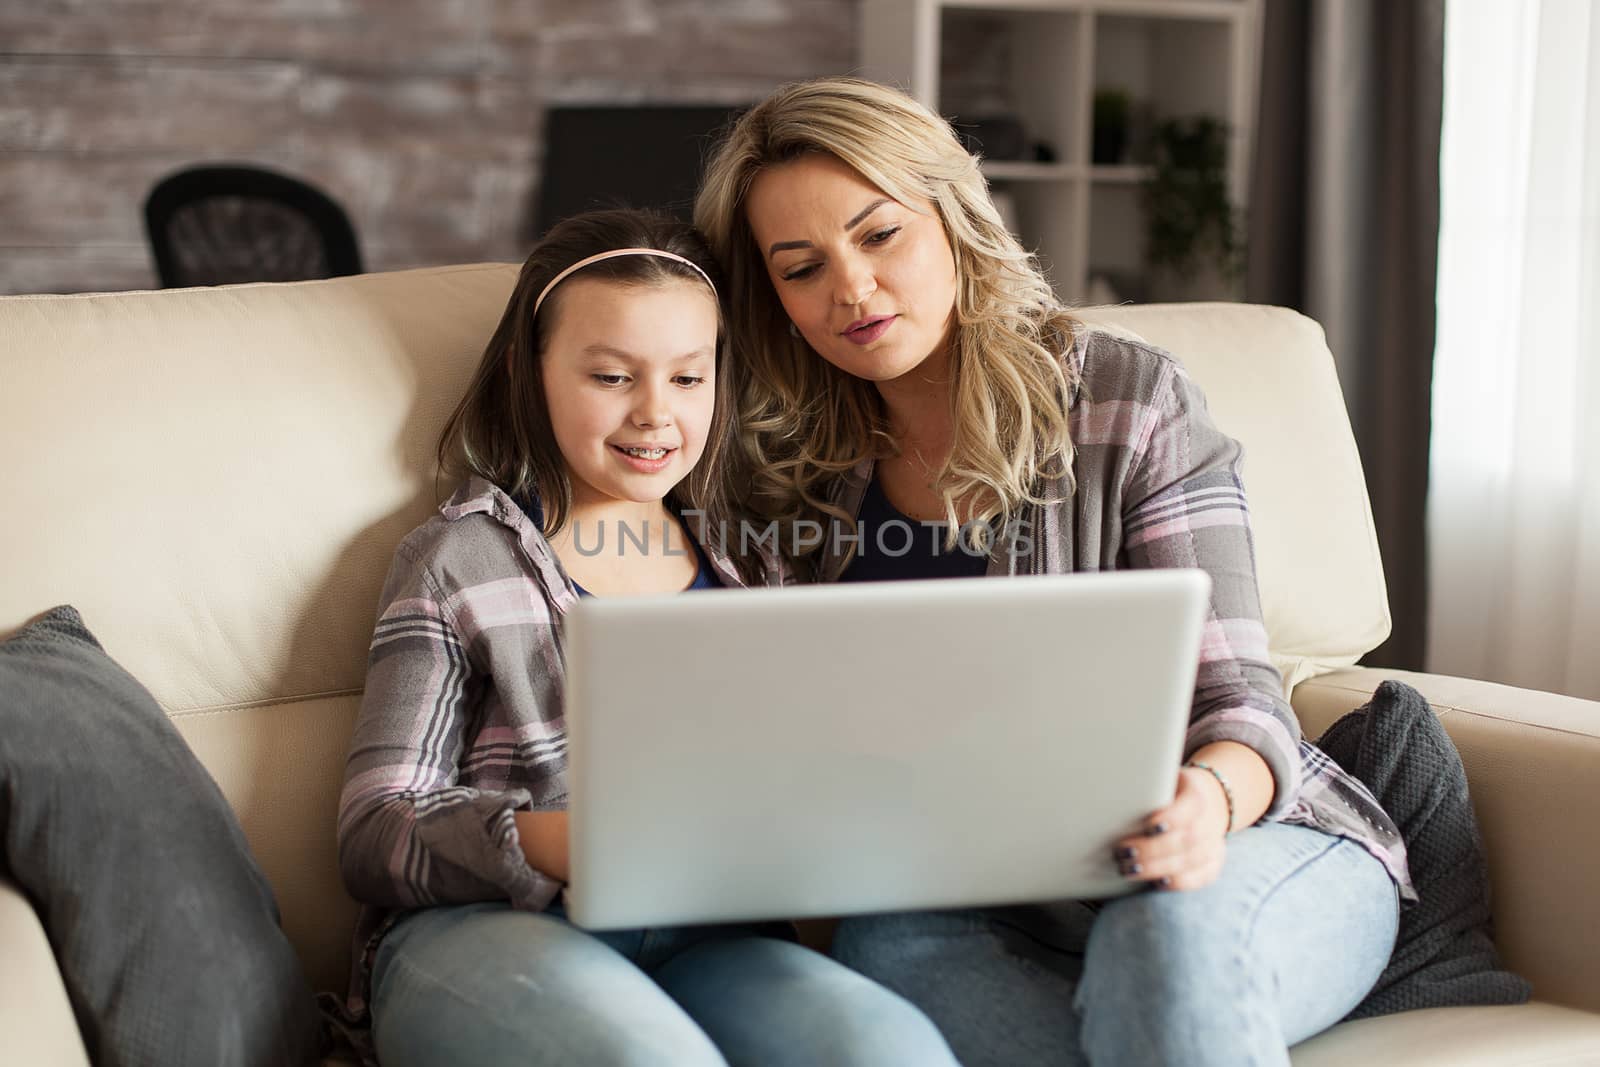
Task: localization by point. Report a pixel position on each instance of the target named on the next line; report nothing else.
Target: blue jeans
(1284, 944)
(483, 985)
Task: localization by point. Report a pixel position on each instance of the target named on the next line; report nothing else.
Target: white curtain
(1514, 493)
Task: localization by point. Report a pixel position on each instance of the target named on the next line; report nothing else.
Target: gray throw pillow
(164, 928)
(1444, 954)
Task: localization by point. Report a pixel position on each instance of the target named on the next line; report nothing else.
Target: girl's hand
(543, 837)
(1183, 845)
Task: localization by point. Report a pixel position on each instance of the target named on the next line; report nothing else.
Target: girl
(596, 400)
(903, 359)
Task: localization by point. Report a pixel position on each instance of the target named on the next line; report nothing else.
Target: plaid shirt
(461, 723)
(1157, 485)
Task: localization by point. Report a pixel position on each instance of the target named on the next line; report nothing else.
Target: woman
(903, 360)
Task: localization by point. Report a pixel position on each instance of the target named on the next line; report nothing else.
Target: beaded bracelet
(1227, 790)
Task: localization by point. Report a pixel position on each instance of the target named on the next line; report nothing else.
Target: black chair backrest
(217, 225)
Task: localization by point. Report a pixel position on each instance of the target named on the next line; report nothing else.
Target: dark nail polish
(1127, 852)
(1131, 869)
(1155, 829)
(1165, 881)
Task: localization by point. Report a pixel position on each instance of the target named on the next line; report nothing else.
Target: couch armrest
(1533, 763)
(35, 1016)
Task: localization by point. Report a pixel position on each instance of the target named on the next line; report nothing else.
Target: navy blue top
(704, 576)
(896, 547)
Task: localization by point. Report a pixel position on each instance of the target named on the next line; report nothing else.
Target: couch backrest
(217, 478)
(1269, 381)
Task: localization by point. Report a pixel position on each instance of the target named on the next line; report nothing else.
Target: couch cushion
(163, 927)
(35, 1015)
(1269, 380)
(218, 478)
(281, 766)
(1519, 1036)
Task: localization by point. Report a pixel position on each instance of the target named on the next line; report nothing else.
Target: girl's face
(629, 382)
(869, 282)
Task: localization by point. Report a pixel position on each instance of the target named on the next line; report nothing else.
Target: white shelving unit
(1040, 62)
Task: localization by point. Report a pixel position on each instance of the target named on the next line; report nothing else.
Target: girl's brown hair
(501, 429)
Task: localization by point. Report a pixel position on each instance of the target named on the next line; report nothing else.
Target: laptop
(840, 749)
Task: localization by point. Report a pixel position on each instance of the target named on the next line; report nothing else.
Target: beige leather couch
(217, 479)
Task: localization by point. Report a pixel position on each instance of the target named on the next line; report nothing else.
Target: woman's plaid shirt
(1156, 484)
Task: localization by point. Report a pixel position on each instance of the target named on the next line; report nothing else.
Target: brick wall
(422, 117)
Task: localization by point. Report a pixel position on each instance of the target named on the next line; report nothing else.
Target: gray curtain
(1344, 226)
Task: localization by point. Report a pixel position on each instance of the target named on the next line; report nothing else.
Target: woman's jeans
(483, 985)
(1284, 944)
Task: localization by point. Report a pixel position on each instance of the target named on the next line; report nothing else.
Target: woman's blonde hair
(803, 421)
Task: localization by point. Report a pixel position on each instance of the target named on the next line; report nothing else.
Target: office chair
(216, 225)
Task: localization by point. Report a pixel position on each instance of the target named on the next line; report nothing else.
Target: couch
(217, 479)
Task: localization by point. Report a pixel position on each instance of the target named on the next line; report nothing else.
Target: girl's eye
(883, 235)
(688, 381)
(800, 273)
(610, 379)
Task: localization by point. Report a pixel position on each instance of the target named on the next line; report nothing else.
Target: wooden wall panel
(66, 200)
(63, 269)
(116, 106)
(422, 117)
(422, 35)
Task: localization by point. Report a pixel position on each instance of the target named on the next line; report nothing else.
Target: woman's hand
(1183, 845)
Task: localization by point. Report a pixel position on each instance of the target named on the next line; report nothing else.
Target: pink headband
(613, 254)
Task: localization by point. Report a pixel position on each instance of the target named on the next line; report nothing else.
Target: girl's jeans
(483, 985)
(1288, 940)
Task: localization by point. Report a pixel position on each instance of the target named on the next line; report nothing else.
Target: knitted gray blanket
(1444, 953)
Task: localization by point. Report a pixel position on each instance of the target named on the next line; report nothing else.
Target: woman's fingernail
(1155, 829)
(1127, 852)
(1165, 881)
(1131, 869)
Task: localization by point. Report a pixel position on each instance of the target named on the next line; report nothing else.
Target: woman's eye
(882, 235)
(800, 272)
(610, 379)
(688, 381)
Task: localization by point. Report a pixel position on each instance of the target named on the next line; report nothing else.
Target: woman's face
(869, 282)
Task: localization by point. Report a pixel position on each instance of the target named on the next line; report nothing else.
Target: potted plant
(1113, 110)
(1189, 222)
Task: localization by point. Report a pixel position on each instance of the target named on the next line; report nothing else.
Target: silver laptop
(830, 750)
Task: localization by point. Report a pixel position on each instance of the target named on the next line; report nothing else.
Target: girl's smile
(647, 459)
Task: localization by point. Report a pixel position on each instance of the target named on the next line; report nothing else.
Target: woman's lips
(869, 330)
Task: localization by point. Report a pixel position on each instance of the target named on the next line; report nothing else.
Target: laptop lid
(837, 749)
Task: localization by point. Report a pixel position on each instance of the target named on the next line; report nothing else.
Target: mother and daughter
(851, 337)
